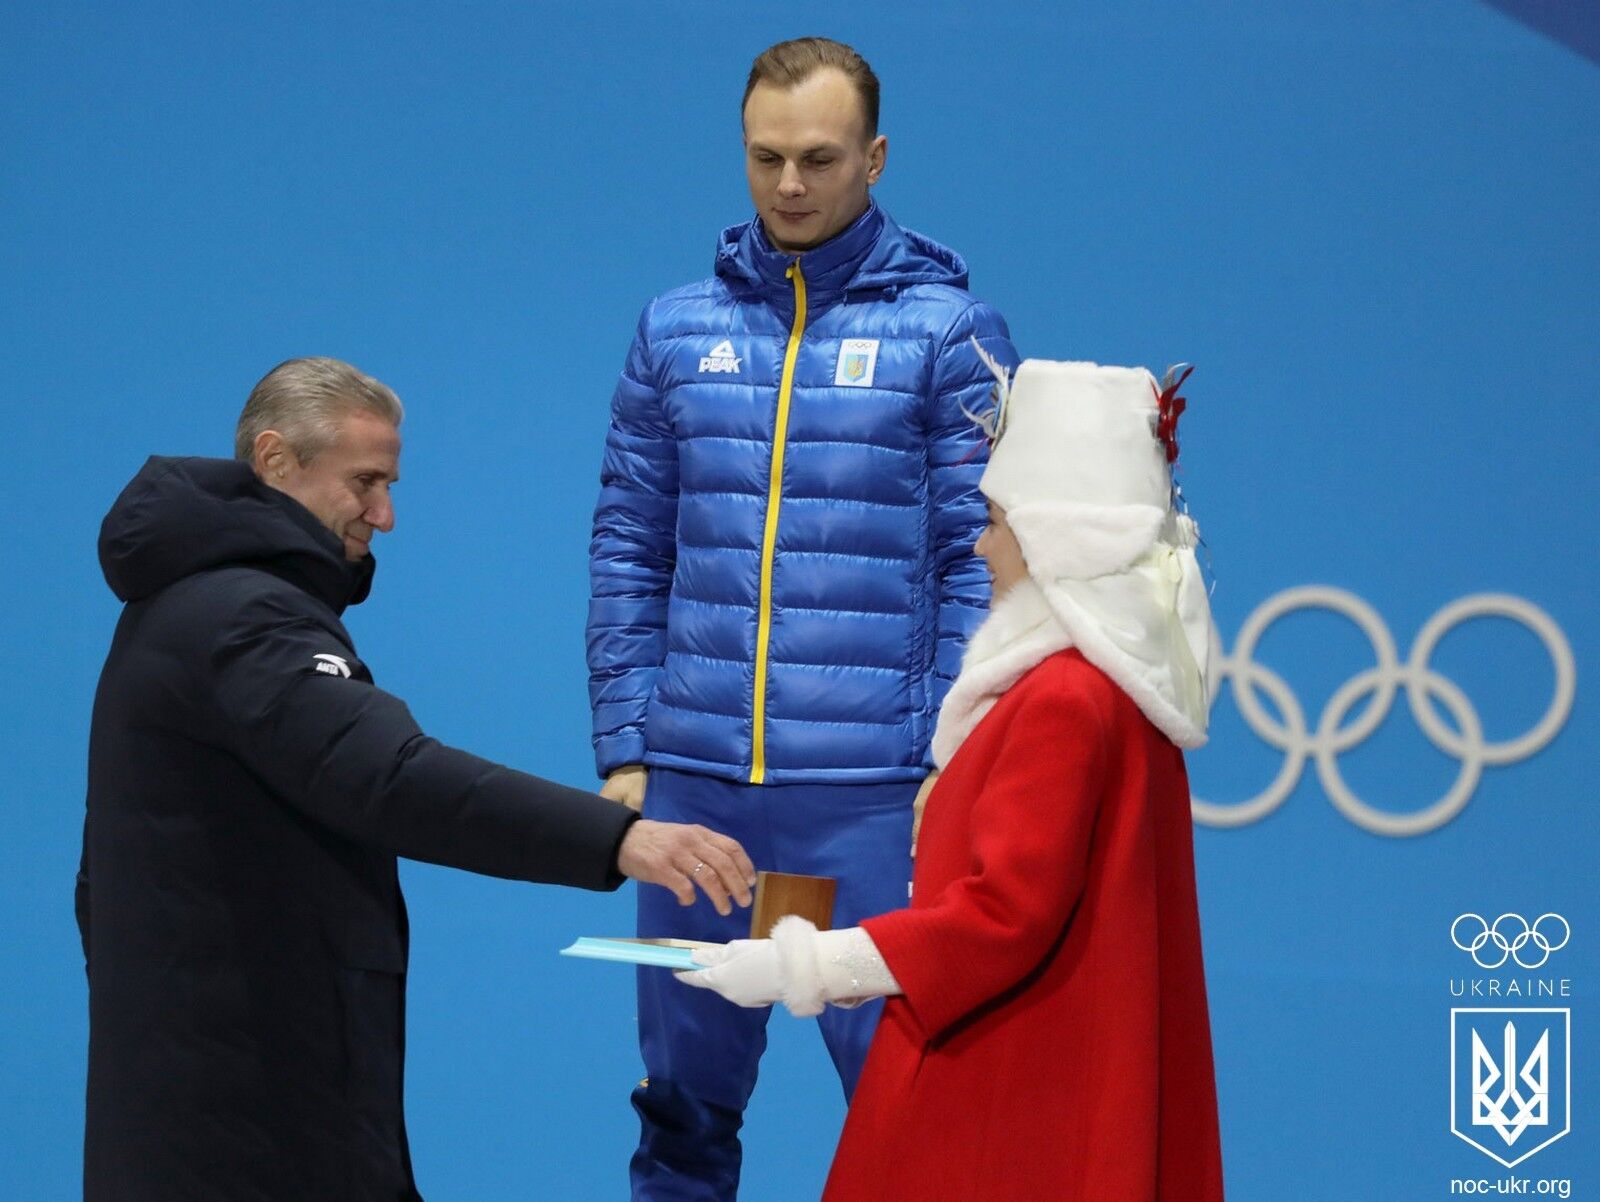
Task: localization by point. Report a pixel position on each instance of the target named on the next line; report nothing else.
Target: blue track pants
(701, 1053)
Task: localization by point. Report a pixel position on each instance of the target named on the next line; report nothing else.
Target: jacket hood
(178, 517)
(873, 255)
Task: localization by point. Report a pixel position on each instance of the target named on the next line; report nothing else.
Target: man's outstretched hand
(682, 857)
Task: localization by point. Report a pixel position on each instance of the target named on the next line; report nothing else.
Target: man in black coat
(249, 791)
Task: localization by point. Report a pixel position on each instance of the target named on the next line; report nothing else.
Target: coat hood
(178, 517)
(872, 256)
(1080, 466)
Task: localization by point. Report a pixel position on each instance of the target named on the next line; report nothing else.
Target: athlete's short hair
(791, 63)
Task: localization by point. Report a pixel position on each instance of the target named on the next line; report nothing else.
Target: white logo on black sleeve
(721, 359)
(332, 665)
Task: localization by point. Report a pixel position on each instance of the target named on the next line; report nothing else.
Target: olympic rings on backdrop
(1423, 687)
(1490, 933)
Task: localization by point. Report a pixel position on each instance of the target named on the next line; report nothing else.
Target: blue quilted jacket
(782, 569)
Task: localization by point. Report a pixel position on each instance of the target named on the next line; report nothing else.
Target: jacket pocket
(368, 972)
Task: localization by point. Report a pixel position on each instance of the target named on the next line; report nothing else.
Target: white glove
(799, 966)
(747, 972)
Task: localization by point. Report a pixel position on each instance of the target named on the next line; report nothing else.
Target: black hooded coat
(249, 790)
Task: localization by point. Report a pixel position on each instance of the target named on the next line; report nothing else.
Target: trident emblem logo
(1515, 1066)
(1508, 1097)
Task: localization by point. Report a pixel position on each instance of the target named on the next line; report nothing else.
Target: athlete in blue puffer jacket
(782, 560)
(783, 577)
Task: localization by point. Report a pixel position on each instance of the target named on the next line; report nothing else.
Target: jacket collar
(872, 256)
(829, 267)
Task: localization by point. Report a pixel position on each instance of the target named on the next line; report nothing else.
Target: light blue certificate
(660, 953)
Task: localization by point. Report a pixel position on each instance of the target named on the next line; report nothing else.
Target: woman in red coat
(1046, 1035)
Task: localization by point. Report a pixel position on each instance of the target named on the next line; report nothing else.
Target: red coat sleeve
(1030, 828)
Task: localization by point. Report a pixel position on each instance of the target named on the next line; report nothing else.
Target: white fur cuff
(796, 941)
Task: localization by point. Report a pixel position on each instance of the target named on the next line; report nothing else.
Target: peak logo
(721, 359)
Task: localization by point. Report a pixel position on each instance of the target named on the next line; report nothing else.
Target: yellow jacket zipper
(769, 538)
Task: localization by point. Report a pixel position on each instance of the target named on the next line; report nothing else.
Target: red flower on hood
(1169, 408)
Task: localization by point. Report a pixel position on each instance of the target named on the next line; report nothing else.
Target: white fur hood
(1083, 481)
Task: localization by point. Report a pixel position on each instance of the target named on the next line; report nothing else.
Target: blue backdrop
(1371, 225)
